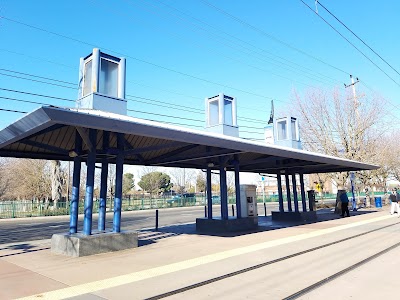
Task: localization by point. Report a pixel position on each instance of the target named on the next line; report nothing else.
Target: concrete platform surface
(173, 258)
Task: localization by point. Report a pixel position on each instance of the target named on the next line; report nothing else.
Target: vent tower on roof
(221, 115)
(102, 83)
(283, 132)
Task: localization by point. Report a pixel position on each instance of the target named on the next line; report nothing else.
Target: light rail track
(340, 273)
(264, 264)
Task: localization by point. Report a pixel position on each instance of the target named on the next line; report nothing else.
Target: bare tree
(4, 176)
(339, 125)
(30, 178)
(201, 182)
(181, 178)
(390, 153)
(56, 181)
(111, 181)
(215, 183)
(230, 182)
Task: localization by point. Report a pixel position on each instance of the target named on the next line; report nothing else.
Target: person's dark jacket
(344, 198)
(393, 198)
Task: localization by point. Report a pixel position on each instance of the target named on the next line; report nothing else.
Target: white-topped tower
(102, 80)
(286, 132)
(221, 115)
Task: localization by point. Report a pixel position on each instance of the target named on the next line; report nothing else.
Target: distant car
(183, 199)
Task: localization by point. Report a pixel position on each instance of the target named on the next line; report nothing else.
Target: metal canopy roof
(49, 133)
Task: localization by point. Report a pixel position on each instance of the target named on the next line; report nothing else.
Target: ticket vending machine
(248, 201)
(311, 200)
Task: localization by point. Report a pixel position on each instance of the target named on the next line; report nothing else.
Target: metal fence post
(156, 219)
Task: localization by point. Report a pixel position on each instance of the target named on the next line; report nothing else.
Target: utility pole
(354, 126)
(271, 117)
(356, 121)
(184, 180)
(353, 86)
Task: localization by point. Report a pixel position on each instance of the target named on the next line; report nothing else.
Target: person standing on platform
(345, 204)
(394, 200)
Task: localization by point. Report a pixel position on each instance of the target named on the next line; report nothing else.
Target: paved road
(39, 228)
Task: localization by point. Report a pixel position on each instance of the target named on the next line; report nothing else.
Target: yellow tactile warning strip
(94, 286)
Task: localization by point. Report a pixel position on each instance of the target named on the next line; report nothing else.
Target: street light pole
(263, 189)
(352, 177)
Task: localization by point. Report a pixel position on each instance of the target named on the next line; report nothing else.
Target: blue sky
(179, 52)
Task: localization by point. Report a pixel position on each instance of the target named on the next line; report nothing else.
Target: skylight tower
(102, 83)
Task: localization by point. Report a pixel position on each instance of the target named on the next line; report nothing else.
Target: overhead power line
(157, 102)
(24, 101)
(16, 111)
(270, 36)
(70, 100)
(35, 94)
(138, 59)
(348, 41)
(280, 59)
(128, 81)
(249, 51)
(162, 104)
(25, 112)
(36, 76)
(36, 58)
(360, 39)
(39, 81)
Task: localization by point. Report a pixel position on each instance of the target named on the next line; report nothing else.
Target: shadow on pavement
(22, 248)
(147, 237)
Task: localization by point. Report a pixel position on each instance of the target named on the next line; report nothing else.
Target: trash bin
(378, 202)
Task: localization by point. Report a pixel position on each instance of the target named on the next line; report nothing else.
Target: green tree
(128, 183)
(155, 182)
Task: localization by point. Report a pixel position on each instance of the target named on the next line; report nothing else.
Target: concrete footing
(77, 245)
(294, 216)
(230, 225)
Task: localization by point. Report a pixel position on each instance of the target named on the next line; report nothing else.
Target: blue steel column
(303, 193)
(289, 201)
(91, 161)
(119, 170)
(224, 193)
(76, 180)
(237, 188)
(280, 196)
(103, 184)
(209, 194)
(295, 200)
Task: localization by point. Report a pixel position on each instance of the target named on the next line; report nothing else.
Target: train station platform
(177, 259)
